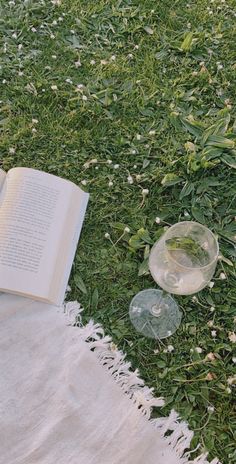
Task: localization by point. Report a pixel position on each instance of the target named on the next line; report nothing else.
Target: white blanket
(67, 395)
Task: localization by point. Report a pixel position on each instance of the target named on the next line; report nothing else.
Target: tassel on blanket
(171, 428)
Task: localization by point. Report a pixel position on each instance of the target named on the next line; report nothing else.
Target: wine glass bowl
(184, 259)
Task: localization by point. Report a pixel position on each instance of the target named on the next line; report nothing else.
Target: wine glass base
(154, 314)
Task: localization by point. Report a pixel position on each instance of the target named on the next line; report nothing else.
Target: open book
(41, 217)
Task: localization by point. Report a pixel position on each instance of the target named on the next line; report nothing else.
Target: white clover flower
(96, 167)
(133, 152)
(210, 356)
(69, 81)
(232, 337)
(135, 166)
(194, 299)
(219, 66)
(84, 182)
(52, 36)
(79, 86)
(109, 161)
(223, 276)
(33, 29)
(103, 62)
(152, 132)
(56, 2)
(93, 62)
(211, 409)
(130, 56)
(54, 23)
(78, 64)
(116, 166)
(210, 323)
(234, 360)
(158, 220)
(138, 177)
(170, 348)
(156, 351)
(84, 98)
(54, 87)
(212, 309)
(211, 284)
(130, 179)
(194, 73)
(34, 130)
(115, 98)
(72, 31)
(231, 380)
(136, 47)
(145, 192)
(107, 235)
(138, 137)
(60, 19)
(228, 390)
(186, 214)
(54, 57)
(110, 183)
(14, 35)
(113, 57)
(12, 150)
(213, 333)
(4, 81)
(68, 288)
(35, 121)
(127, 230)
(198, 349)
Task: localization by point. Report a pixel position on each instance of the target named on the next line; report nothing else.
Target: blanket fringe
(174, 431)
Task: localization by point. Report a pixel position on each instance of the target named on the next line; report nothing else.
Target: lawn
(135, 102)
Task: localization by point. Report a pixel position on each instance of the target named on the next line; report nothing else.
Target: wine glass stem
(157, 308)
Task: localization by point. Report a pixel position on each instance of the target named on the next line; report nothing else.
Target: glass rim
(203, 227)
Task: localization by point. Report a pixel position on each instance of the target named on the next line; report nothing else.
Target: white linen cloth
(61, 403)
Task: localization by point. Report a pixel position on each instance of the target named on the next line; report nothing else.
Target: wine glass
(182, 262)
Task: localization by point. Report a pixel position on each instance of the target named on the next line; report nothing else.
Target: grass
(156, 76)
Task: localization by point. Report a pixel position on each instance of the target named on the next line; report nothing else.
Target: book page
(2, 178)
(33, 208)
(75, 217)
